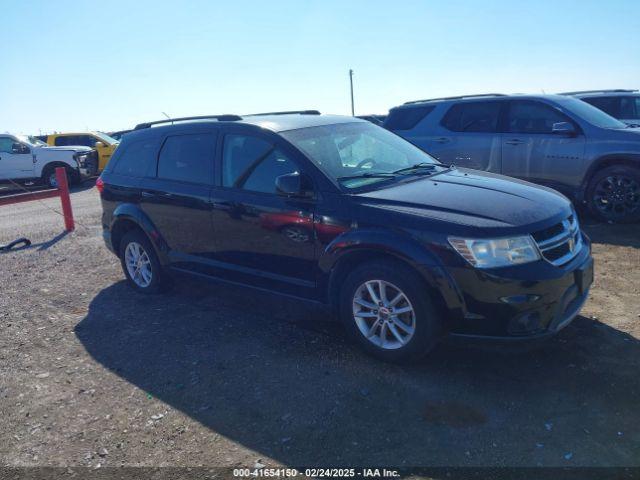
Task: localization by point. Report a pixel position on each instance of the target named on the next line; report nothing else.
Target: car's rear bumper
(528, 302)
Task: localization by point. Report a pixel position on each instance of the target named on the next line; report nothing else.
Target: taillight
(100, 184)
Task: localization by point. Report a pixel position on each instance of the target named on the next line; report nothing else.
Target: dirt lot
(93, 374)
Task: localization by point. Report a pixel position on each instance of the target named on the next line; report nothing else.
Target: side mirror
(99, 145)
(563, 128)
(19, 148)
(294, 185)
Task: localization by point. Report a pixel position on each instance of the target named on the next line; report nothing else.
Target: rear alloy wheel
(386, 307)
(614, 194)
(140, 263)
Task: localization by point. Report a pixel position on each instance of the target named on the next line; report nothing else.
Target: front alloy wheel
(387, 308)
(384, 314)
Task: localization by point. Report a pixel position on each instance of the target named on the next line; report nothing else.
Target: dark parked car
(553, 140)
(337, 210)
(621, 104)
(375, 119)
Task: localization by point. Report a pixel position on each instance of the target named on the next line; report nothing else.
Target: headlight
(82, 159)
(498, 252)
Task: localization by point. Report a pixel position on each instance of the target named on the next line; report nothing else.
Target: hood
(473, 198)
(68, 149)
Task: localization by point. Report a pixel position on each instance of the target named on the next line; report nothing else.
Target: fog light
(525, 324)
(518, 299)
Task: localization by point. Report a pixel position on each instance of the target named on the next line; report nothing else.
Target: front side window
(6, 144)
(136, 159)
(532, 117)
(358, 154)
(589, 113)
(87, 141)
(479, 117)
(253, 164)
(188, 158)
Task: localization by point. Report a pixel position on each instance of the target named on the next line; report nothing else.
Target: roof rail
(300, 112)
(614, 90)
(456, 97)
(220, 118)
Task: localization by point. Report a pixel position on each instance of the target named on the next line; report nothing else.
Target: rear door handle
(442, 140)
(147, 194)
(514, 141)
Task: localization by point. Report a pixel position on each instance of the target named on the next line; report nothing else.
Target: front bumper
(521, 303)
(88, 164)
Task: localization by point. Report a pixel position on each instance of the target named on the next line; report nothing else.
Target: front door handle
(147, 194)
(442, 140)
(514, 141)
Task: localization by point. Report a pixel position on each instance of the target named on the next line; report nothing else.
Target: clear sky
(76, 65)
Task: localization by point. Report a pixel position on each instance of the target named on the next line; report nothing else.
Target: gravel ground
(93, 374)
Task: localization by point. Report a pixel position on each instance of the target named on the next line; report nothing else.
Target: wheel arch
(343, 255)
(615, 159)
(127, 217)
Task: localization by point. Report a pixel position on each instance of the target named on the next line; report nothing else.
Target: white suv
(24, 157)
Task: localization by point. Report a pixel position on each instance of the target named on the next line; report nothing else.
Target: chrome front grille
(559, 243)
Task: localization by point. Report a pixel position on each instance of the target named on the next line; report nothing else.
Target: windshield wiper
(369, 175)
(417, 166)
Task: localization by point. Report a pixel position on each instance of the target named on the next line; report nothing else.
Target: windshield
(31, 140)
(358, 154)
(592, 114)
(104, 138)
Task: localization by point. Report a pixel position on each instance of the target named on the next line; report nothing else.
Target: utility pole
(353, 112)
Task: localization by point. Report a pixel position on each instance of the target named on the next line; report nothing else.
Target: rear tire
(396, 332)
(613, 194)
(140, 263)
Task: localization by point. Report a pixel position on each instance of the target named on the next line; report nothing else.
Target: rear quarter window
(136, 158)
(407, 118)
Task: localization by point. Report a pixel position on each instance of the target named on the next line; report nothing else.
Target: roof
(276, 121)
(599, 93)
(482, 97)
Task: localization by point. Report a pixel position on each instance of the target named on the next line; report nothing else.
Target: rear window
(188, 158)
(473, 117)
(136, 159)
(406, 118)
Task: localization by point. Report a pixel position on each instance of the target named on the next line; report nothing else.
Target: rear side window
(136, 159)
(606, 104)
(188, 158)
(533, 117)
(473, 117)
(406, 118)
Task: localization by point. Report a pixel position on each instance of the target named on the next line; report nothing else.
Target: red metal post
(63, 187)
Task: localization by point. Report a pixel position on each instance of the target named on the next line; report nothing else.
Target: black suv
(340, 211)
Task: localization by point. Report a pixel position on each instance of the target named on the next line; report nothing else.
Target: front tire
(49, 176)
(386, 308)
(140, 263)
(613, 194)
